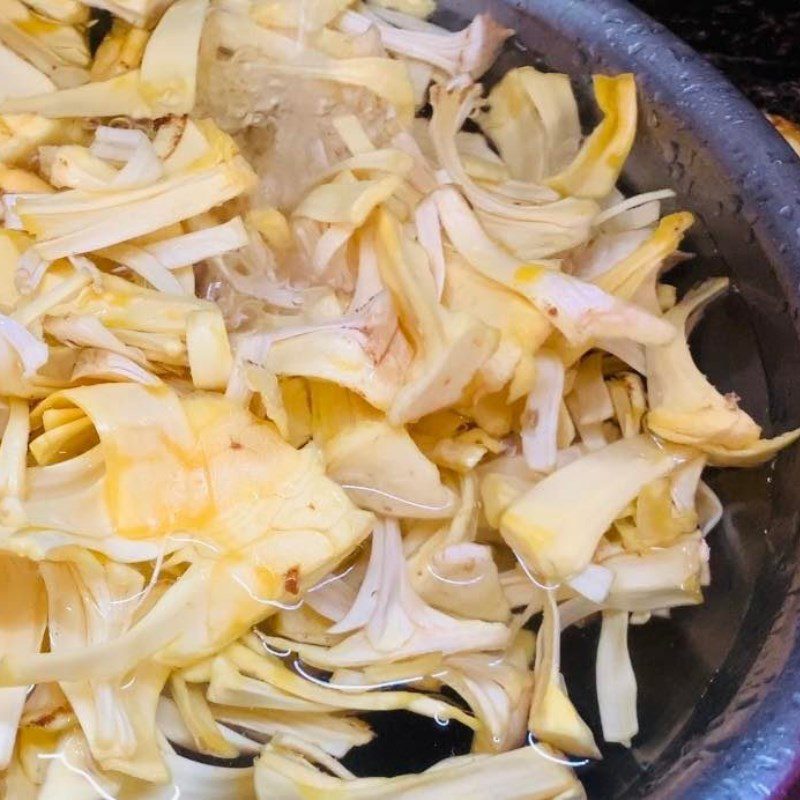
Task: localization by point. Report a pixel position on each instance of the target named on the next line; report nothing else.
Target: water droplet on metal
(677, 171)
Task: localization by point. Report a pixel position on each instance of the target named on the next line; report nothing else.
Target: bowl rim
(762, 758)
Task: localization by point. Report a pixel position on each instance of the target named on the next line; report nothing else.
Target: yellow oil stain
(528, 273)
(36, 26)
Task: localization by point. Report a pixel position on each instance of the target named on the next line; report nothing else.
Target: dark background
(755, 42)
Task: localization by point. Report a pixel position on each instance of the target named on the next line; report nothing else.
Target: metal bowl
(719, 684)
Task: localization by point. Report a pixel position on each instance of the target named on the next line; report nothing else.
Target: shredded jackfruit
(314, 405)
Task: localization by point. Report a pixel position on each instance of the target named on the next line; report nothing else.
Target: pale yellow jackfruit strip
(556, 536)
(163, 85)
(626, 276)
(272, 671)
(281, 772)
(594, 171)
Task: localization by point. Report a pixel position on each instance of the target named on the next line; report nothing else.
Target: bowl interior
(693, 669)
